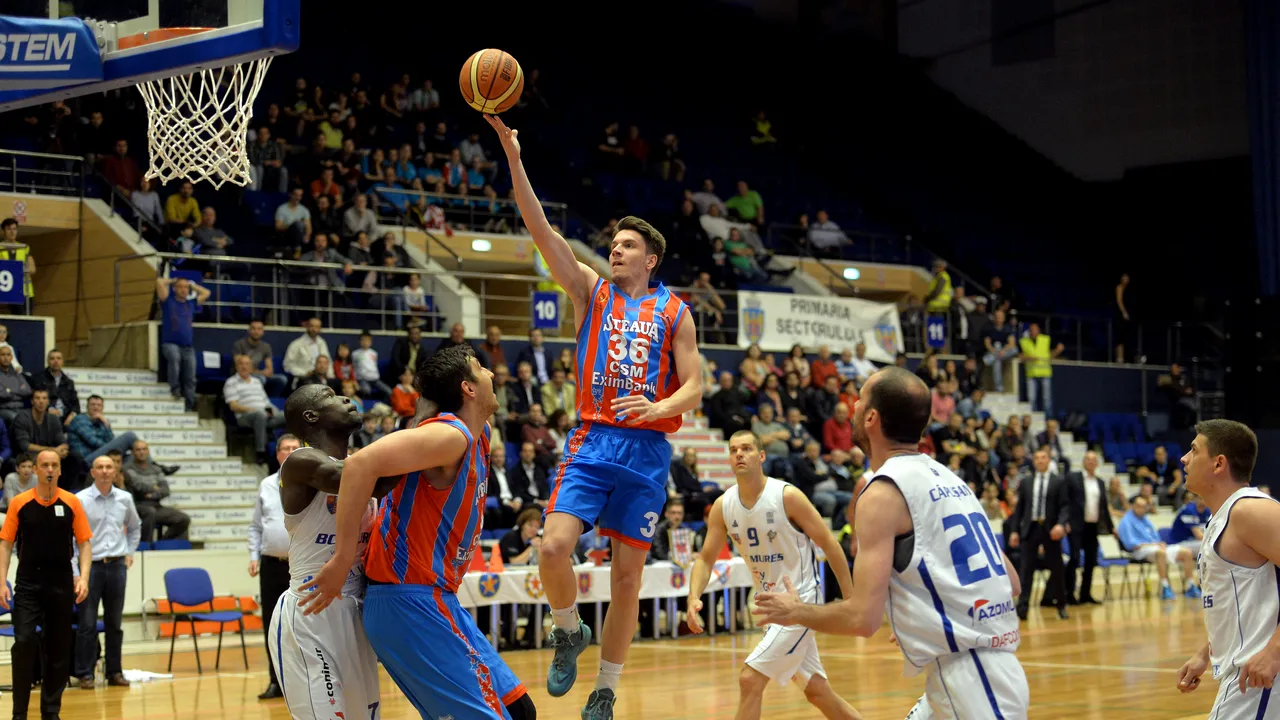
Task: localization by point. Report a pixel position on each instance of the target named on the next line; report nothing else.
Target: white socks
(566, 619)
(609, 675)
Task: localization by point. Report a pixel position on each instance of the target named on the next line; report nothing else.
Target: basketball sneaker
(564, 666)
(1192, 591)
(599, 705)
(1166, 592)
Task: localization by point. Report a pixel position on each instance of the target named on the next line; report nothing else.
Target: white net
(198, 124)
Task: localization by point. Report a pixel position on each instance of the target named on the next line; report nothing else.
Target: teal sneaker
(599, 705)
(1192, 592)
(564, 666)
(1166, 593)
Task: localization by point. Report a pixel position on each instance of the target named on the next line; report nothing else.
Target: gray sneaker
(564, 666)
(599, 705)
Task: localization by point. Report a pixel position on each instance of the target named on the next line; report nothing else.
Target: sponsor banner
(226, 498)
(39, 53)
(209, 467)
(122, 422)
(113, 406)
(95, 375)
(519, 584)
(166, 453)
(125, 392)
(777, 321)
(218, 516)
(176, 436)
(218, 532)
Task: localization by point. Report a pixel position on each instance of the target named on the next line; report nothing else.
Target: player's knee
(751, 682)
(523, 708)
(554, 548)
(816, 690)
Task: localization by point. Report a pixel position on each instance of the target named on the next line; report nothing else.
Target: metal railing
(475, 212)
(128, 210)
(35, 172)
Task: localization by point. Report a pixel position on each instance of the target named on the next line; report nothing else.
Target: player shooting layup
(927, 555)
(639, 371)
(424, 536)
(325, 663)
(774, 527)
(1239, 572)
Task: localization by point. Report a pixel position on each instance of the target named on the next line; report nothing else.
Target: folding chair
(191, 587)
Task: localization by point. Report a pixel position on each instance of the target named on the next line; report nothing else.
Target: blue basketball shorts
(615, 478)
(434, 652)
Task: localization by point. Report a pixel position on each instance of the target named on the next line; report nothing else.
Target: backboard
(44, 57)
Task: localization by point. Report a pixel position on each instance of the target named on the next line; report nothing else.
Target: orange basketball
(491, 81)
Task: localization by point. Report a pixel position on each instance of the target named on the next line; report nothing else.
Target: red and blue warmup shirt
(626, 347)
(426, 535)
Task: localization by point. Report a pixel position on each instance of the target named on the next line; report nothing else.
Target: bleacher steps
(212, 499)
(115, 376)
(121, 422)
(123, 392)
(174, 436)
(170, 454)
(213, 483)
(220, 516)
(229, 466)
(679, 444)
(225, 545)
(112, 407)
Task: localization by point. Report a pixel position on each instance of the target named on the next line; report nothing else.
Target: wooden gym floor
(1114, 661)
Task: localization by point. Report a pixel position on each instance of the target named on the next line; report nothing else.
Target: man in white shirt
(300, 356)
(1087, 498)
(269, 550)
(509, 503)
(862, 367)
(247, 398)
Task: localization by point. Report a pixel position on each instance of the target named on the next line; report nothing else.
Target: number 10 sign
(11, 282)
(546, 310)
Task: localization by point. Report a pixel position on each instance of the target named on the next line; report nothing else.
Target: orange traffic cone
(495, 560)
(477, 563)
(724, 553)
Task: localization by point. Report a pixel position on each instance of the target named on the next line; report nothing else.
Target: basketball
(491, 81)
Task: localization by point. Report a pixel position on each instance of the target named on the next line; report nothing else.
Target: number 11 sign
(11, 282)
(546, 310)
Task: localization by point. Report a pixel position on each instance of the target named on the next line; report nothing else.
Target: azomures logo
(984, 610)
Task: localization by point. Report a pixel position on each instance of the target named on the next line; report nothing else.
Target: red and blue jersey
(626, 346)
(426, 535)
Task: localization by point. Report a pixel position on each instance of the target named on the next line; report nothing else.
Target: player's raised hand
(778, 608)
(506, 135)
(693, 617)
(1190, 672)
(324, 588)
(634, 409)
(1259, 670)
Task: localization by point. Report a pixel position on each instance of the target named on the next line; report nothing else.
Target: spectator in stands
(327, 219)
(837, 431)
(321, 374)
(683, 483)
(530, 477)
(365, 360)
(752, 369)
(774, 440)
(259, 353)
(1139, 537)
(845, 367)
(505, 396)
(559, 394)
(20, 480)
(1164, 476)
(246, 397)
(14, 389)
(537, 355)
(981, 472)
(525, 391)
(415, 298)
(293, 221)
(473, 156)
(330, 283)
(266, 163)
(822, 367)
(36, 429)
(727, 409)
(771, 394)
(502, 488)
(300, 356)
(944, 404)
(672, 540)
(818, 480)
(519, 546)
(744, 260)
(181, 208)
(968, 378)
(746, 206)
(1188, 524)
(1050, 439)
(1019, 464)
(825, 236)
(1182, 398)
(325, 185)
(999, 342)
(1038, 353)
(970, 406)
(821, 404)
(145, 480)
(535, 431)
(950, 439)
(404, 397)
(799, 434)
(408, 352)
(938, 300)
(492, 347)
(357, 219)
(179, 298)
(800, 365)
(212, 240)
(367, 433)
(121, 170)
(90, 434)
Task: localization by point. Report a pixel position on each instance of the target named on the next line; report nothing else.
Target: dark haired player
(926, 553)
(424, 535)
(639, 371)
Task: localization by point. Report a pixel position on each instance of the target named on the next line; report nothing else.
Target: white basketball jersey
(772, 547)
(954, 592)
(1241, 604)
(312, 535)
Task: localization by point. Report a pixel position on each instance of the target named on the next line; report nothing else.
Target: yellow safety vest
(1039, 351)
(21, 255)
(942, 301)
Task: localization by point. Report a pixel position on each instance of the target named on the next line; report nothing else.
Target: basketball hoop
(197, 124)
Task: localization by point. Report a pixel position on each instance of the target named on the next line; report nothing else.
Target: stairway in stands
(217, 491)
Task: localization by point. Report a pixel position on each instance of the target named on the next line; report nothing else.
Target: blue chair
(177, 544)
(192, 587)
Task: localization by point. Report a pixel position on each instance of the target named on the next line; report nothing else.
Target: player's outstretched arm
(576, 278)
(700, 575)
(638, 408)
(1253, 522)
(805, 516)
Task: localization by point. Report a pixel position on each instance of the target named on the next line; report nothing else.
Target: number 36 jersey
(626, 346)
(952, 592)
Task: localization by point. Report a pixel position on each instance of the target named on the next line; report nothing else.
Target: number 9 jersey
(951, 592)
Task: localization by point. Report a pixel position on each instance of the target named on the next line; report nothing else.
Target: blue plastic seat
(191, 587)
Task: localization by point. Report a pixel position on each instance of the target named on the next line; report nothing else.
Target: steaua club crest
(331, 503)
(533, 586)
(489, 584)
(584, 583)
(677, 578)
(753, 320)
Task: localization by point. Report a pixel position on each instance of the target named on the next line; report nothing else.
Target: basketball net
(198, 124)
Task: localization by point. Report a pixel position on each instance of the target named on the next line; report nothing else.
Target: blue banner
(40, 53)
(11, 282)
(546, 310)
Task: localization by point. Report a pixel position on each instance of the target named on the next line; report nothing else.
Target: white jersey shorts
(785, 652)
(974, 684)
(1231, 704)
(1147, 553)
(324, 663)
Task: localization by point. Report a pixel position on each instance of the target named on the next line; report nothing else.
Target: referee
(45, 523)
(269, 549)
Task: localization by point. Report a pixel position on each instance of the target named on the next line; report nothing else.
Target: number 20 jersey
(626, 347)
(953, 593)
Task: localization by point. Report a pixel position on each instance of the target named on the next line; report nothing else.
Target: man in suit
(505, 489)
(1040, 521)
(529, 479)
(1051, 440)
(522, 393)
(1087, 497)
